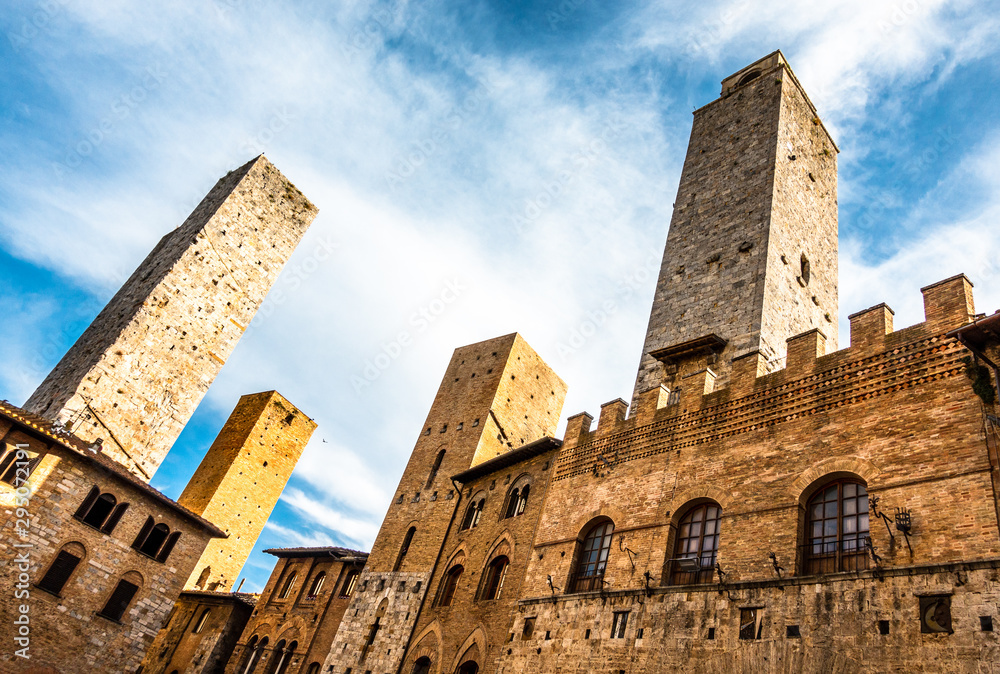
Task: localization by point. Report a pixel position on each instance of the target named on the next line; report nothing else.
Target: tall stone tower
(137, 373)
(751, 255)
(240, 479)
(496, 396)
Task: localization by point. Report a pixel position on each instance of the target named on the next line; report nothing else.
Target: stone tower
(240, 479)
(751, 254)
(138, 372)
(496, 396)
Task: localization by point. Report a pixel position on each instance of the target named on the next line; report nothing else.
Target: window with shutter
(168, 546)
(59, 572)
(117, 604)
(116, 515)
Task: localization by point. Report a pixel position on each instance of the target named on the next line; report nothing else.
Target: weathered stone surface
(137, 373)
(240, 480)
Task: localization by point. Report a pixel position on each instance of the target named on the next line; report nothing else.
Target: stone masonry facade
(136, 375)
(240, 480)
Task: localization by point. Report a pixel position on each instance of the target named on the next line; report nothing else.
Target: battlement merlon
(949, 312)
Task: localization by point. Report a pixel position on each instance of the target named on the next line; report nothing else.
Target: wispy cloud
(533, 160)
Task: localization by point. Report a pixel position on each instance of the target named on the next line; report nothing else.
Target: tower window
(287, 587)
(618, 625)
(451, 584)
(804, 265)
(404, 548)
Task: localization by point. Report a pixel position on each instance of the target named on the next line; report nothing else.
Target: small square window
(711, 633)
(792, 631)
(586, 635)
(638, 635)
(883, 627)
(548, 635)
(618, 625)
(529, 628)
(475, 422)
(986, 623)
(935, 614)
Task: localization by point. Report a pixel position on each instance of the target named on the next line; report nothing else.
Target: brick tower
(137, 373)
(496, 396)
(240, 479)
(751, 254)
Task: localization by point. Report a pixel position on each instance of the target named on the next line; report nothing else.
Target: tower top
(751, 254)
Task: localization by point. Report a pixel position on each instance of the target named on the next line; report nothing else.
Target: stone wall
(240, 480)
(137, 373)
(758, 190)
(66, 631)
(195, 643)
(495, 396)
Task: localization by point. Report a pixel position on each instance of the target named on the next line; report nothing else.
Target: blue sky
(526, 154)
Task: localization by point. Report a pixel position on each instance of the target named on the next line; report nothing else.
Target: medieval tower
(137, 373)
(240, 479)
(751, 254)
(496, 396)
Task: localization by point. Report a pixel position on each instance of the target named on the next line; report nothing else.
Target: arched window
(251, 654)
(121, 597)
(749, 77)
(473, 512)
(314, 668)
(286, 589)
(348, 587)
(422, 666)
(17, 464)
(837, 528)
(468, 668)
(698, 541)
(450, 584)
(592, 558)
(495, 575)
(317, 585)
(155, 540)
(282, 657)
(434, 469)
(62, 568)
(522, 500)
(101, 511)
(201, 621)
(405, 548)
(512, 500)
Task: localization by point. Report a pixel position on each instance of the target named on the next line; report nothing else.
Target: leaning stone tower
(137, 373)
(751, 255)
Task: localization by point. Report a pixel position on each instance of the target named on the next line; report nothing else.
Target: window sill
(48, 592)
(108, 618)
(148, 556)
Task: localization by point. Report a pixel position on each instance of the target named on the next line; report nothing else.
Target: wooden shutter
(119, 601)
(116, 515)
(87, 504)
(168, 546)
(143, 533)
(60, 571)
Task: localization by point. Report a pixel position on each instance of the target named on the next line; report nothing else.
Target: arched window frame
(517, 497)
(122, 597)
(200, 625)
(697, 537)
(316, 586)
(474, 512)
(843, 549)
(450, 584)
(62, 568)
(592, 556)
(155, 540)
(434, 469)
(404, 548)
(288, 584)
(422, 665)
(101, 511)
(350, 582)
(494, 577)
